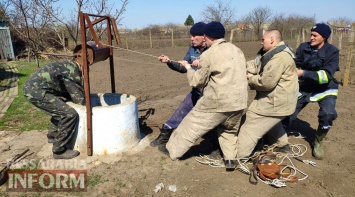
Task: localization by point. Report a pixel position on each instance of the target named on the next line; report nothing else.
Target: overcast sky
(142, 13)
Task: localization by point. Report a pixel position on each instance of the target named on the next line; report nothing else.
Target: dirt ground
(159, 91)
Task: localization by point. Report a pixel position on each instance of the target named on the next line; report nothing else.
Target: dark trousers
(63, 121)
(326, 113)
(184, 108)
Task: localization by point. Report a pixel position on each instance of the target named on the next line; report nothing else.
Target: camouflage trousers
(63, 121)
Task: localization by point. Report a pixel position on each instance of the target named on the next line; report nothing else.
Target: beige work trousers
(255, 127)
(197, 123)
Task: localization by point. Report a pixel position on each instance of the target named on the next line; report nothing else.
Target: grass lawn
(22, 115)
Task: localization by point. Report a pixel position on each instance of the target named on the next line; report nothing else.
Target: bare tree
(296, 23)
(340, 22)
(103, 7)
(54, 17)
(40, 23)
(257, 18)
(279, 22)
(221, 11)
(4, 5)
(289, 25)
(30, 23)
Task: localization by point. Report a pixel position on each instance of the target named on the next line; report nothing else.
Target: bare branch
(222, 12)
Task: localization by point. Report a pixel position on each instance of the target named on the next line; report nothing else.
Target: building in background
(6, 48)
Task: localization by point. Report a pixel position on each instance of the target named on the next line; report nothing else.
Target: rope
(219, 163)
(289, 134)
(115, 47)
(297, 150)
(130, 50)
(204, 159)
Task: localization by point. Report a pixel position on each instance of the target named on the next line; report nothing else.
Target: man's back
(226, 89)
(59, 79)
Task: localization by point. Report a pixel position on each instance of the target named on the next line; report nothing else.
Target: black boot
(230, 165)
(318, 152)
(51, 140)
(163, 137)
(284, 149)
(68, 154)
(162, 148)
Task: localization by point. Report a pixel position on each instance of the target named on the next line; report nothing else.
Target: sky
(142, 13)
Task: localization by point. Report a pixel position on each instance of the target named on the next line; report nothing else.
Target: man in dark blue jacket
(317, 61)
(192, 56)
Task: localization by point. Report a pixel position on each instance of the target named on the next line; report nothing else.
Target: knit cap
(215, 29)
(197, 29)
(322, 29)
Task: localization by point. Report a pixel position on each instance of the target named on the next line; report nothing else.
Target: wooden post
(232, 35)
(172, 37)
(350, 52)
(331, 36)
(303, 36)
(298, 41)
(150, 39)
(340, 40)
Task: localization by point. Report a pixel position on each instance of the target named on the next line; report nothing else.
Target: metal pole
(86, 84)
(112, 71)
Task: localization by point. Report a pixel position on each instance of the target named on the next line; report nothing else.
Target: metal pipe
(86, 84)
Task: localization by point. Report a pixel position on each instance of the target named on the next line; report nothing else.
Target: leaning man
(222, 77)
(48, 89)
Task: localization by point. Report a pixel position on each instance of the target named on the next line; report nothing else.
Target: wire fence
(182, 39)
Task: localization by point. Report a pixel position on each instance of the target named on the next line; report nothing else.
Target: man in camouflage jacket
(48, 89)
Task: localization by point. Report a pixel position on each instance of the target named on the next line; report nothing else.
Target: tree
(30, 23)
(189, 21)
(222, 12)
(257, 18)
(292, 23)
(279, 22)
(340, 22)
(103, 7)
(41, 24)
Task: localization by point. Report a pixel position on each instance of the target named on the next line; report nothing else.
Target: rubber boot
(163, 137)
(318, 152)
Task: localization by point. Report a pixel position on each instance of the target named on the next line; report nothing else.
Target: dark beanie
(197, 29)
(214, 30)
(322, 29)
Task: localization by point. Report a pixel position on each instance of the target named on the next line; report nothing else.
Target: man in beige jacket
(222, 77)
(273, 75)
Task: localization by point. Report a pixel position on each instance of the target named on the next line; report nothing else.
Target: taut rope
(134, 51)
(130, 50)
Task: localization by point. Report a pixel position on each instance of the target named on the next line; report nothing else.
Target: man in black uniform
(317, 61)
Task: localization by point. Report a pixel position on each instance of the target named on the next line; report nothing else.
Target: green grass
(22, 115)
(93, 180)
